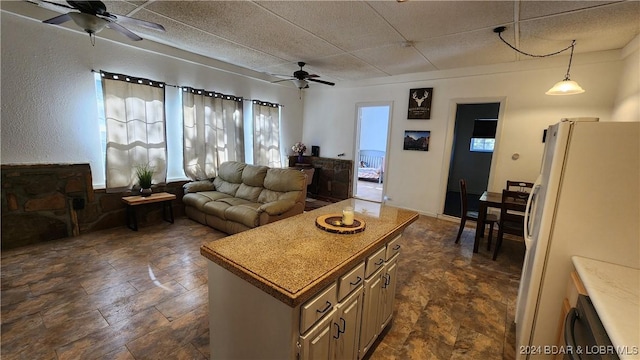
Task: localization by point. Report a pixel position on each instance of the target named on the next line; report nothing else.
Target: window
(482, 145)
(213, 131)
(266, 134)
(135, 129)
(484, 133)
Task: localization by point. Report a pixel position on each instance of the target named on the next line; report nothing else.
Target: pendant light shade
(565, 87)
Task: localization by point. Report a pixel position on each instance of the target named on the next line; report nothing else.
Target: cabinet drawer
(393, 247)
(316, 308)
(350, 281)
(375, 262)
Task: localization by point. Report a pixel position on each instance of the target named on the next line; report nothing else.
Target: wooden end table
(161, 197)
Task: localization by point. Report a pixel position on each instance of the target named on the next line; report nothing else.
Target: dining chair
(465, 214)
(511, 216)
(521, 186)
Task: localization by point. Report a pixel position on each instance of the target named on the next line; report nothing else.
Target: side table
(161, 197)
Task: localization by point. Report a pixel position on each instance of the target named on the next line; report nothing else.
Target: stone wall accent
(43, 202)
(335, 179)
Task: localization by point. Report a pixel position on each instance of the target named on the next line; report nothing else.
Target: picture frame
(417, 140)
(420, 103)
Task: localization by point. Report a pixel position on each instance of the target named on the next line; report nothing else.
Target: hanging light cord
(499, 30)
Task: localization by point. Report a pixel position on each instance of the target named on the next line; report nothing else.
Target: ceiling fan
(92, 17)
(301, 78)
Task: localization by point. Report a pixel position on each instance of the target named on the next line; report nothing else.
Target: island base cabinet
(246, 322)
(336, 336)
(370, 311)
(389, 282)
(317, 343)
(347, 324)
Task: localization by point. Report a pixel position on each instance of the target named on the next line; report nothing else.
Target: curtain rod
(181, 87)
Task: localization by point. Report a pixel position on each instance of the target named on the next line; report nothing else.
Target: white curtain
(266, 134)
(135, 122)
(213, 131)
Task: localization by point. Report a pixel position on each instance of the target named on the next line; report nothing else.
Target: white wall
(627, 103)
(49, 110)
(417, 180)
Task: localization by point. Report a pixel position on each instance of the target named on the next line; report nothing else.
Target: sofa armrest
(276, 207)
(195, 186)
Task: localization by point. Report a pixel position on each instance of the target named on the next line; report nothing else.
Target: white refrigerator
(585, 202)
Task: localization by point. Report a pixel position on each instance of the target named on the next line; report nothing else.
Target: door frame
(448, 147)
(356, 144)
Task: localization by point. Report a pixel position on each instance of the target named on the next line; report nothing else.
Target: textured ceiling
(351, 40)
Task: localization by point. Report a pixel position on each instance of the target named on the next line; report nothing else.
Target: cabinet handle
(325, 309)
(380, 262)
(357, 281)
(397, 247)
(344, 328)
(337, 336)
(387, 280)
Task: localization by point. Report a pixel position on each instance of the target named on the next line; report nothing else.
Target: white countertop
(615, 293)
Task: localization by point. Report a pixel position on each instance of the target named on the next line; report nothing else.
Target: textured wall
(38, 204)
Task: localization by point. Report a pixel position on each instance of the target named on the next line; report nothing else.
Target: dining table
(487, 200)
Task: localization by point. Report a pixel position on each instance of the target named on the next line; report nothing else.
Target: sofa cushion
(285, 180)
(249, 193)
(246, 214)
(215, 208)
(234, 201)
(197, 200)
(253, 175)
(231, 171)
(225, 186)
(196, 186)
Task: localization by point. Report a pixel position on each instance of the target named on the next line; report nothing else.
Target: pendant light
(563, 87)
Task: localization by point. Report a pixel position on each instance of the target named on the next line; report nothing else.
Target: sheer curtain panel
(266, 134)
(135, 122)
(213, 131)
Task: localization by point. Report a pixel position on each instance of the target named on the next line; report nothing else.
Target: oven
(584, 335)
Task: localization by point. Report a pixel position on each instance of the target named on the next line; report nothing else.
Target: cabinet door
(317, 343)
(370, 311)
(347, 321)
(389, 282)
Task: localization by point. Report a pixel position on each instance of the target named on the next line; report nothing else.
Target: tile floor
(119, 294)
(368, 190)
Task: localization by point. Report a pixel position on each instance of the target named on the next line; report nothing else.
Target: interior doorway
(372, 137)
(471, 153)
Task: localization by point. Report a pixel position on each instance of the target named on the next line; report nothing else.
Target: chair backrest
(464, 205)
(511, 210)
(521, 186)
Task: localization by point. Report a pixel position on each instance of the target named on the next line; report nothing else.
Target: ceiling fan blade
(61, 8)
(133, 21)
(119, 28)
(322, 82)
(58, 19)
(277, 81)
(312, 76)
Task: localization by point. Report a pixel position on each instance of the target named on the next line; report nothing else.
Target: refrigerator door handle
(530, 212)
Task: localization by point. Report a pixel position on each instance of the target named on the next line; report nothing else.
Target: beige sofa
(245, 196)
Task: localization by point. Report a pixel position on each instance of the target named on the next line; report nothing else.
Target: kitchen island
(290, 289)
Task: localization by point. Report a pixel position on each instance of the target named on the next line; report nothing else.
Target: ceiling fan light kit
(90, 23)
(301, 78)
(564, 87)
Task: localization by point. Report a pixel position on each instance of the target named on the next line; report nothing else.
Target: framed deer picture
(420, 103)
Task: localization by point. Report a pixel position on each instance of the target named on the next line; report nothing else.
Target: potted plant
(145, 175)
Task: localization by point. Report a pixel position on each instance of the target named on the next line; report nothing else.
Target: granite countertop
(615, 293)
(292, 259)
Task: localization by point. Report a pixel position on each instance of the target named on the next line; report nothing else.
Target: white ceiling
(352, 40)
